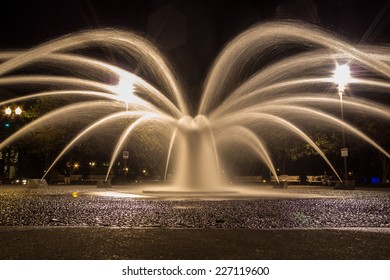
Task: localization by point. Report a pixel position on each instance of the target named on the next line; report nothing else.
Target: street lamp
(342, 76)
(10, 114)
(18, 111)
(8, 111)
(125, 90)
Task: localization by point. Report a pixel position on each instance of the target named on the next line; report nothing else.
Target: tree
(291, 151)
(41, 144)
(379, 132)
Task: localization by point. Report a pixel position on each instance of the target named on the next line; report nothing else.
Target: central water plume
(198, 165)
(273, 78)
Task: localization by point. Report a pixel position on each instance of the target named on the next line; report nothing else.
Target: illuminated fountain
(268, 81)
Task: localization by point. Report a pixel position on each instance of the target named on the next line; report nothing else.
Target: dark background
(191, 32)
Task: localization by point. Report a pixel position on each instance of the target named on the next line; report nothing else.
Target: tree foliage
(48, 137)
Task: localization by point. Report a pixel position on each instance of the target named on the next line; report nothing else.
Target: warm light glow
(125, 89)
(342, 76)
(8, 111)
(92, 163)
(116, 194)
(76, 165)
(18, 111)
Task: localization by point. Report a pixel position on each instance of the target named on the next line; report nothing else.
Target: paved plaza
(141, 222)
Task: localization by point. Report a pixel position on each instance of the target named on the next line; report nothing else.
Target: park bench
(286, 178)
(318, 180)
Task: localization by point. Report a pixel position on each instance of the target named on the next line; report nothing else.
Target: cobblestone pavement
(296, 207)
(83, 222)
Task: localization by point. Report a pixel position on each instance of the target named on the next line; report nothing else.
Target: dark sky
(192, 32)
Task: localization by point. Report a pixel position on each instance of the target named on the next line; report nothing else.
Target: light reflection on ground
(226, 193)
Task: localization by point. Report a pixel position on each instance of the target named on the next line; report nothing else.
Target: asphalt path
(94, 243)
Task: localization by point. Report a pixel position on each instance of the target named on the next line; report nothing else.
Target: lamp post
(342, 76)
(125, 90)
(10, 114)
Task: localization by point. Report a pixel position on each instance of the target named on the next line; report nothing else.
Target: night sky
(191, 33)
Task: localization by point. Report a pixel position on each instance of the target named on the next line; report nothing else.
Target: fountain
(272, 79)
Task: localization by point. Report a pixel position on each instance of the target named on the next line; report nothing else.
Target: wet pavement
(72, 222)
(122, 207)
